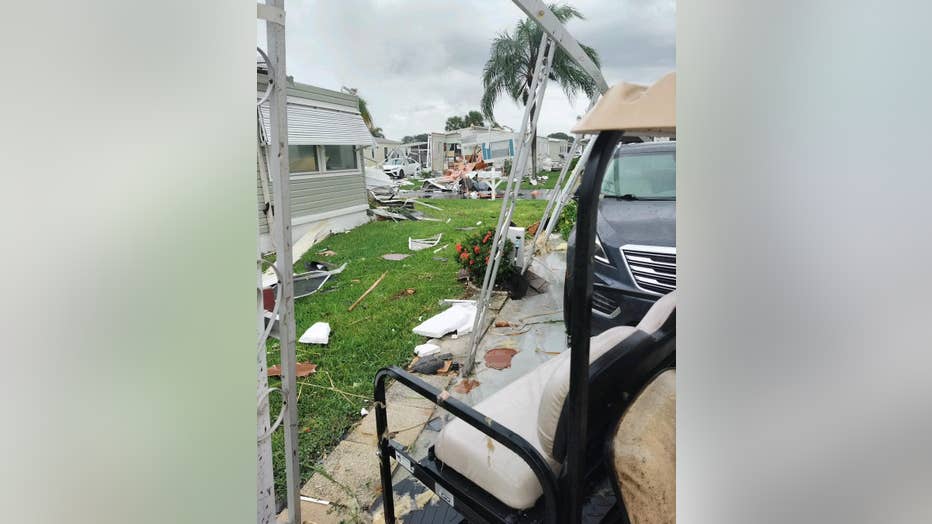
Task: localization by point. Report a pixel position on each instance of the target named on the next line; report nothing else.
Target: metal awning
(308, 125)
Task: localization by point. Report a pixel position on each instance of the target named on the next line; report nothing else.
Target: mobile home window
(302, 159)
(500, 149)
(339, 157)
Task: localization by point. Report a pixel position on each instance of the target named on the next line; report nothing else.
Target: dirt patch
(302, 369)
(499, 358)
(466, 386)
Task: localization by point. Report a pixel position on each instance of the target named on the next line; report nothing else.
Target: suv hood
(646, 222)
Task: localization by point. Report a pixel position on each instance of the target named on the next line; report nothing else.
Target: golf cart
(602, 411)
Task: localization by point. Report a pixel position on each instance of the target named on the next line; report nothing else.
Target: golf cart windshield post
(580, 321)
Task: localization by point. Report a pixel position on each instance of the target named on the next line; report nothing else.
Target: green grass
(377, 332)
(542, 184)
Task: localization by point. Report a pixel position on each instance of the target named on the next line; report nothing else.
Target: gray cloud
(419, 61)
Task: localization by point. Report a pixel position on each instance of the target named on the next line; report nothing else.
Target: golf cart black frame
(563, 497)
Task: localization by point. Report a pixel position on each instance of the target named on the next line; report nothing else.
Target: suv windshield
(393, 162)
(647, 176)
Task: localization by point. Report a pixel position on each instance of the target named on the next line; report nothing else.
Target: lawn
(542, 184)
(377, 332)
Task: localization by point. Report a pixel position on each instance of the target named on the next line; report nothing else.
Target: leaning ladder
(545, 52)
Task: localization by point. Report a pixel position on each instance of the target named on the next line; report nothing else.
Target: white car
(398, 167)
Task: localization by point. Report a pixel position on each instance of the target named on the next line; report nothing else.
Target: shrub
(473, 255)
(567, 219)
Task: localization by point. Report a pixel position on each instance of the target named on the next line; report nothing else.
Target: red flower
(464, 255)
(459, 247)
(485, 239)
(471, 261)
(475, 249)
(486, 260)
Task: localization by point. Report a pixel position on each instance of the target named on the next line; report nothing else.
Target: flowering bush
(473, 255)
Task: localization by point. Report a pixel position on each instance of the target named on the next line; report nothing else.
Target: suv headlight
(599, 253)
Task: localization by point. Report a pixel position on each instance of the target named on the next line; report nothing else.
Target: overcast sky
(416, 62)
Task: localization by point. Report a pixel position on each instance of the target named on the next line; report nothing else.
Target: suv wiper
(626, 196)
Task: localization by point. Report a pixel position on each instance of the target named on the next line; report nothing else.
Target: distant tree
(561, 135)
(509, 70)
(474, 118)
(416, 138)
(454, 123)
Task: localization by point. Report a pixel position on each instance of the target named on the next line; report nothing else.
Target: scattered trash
(441, 248)
(468, 228)
(424, 350)
(364, 412)
(502, 323)
(315, 501)
(302, 369)
(404, 293)
(463, 274)
(533, 229)
(479, 223)
(535, 194)
(434, 424)
(466, 386)
(426, 205)
(446, 367)
(417, 244)
(358, 300)
(319, 333)
(382, 214)
(326, 253)
(499, 358)
(441, 259)
(432, 364)
(458, 318)
(395, 256)
(310, 282)
(448, 220)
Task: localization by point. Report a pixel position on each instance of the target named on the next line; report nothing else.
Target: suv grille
(604, 305)
(653, 267)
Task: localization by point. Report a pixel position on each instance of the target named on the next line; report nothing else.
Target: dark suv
(635, 253)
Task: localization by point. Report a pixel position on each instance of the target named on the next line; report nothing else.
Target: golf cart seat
(644, 453)
(532, 406)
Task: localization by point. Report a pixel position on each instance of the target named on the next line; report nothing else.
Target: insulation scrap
(395, 256)
(319, 333)
(432, 364)
(457, 318)
(417, 244)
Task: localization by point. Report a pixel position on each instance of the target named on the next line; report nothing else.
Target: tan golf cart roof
(639, 110)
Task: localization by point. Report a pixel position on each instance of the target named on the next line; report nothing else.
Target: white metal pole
(265, 478)
(281, 235)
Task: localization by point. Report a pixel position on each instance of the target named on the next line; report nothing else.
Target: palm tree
(364, 111)
(510, 67)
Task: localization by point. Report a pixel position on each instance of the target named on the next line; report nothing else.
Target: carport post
(274, 13)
